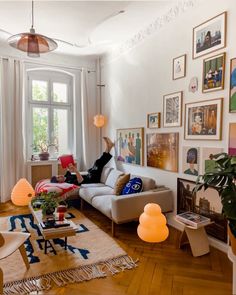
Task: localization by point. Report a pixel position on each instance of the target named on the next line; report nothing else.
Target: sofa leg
(113, 228)
(81, 204)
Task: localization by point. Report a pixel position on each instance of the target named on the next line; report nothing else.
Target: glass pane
(39, 90)
(60, 92)
(60, 128)
(40, 129)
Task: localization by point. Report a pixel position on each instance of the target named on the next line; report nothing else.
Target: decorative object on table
(61, 210)
(99, 120)
(213, 73)
(130, 145)
(203, 120)
(193, 85)
(49, 202)
(193, 219)
(232, 139)
(152, 224)
(172, 109)
(22, 193)
(206, 157)
(179, 67)
(190, 164)
(232, 90)
(210, 35)
(222, 180)
(163, 151)
(154, 120)
(206, 203)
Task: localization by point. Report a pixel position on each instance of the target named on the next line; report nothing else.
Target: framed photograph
(130, 145)
(163, 151)
(232, 89)
(206, 203)
(213, 73)
(172, 109)
(208, 164)
(210, 35)
(154, 120)
(232, 139)
(190, 164)
(179, 67)
(203, 120)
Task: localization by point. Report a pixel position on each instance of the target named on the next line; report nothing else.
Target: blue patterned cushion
(135, 185)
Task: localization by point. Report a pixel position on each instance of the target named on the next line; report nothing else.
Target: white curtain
(12, 160)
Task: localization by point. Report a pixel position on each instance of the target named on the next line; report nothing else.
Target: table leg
(45, 246)
(198, 241)
(65, 243)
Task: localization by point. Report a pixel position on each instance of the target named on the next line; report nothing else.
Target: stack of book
(193, 219)
(65, 225)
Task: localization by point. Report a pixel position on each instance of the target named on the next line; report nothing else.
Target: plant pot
(44, 156)
(232, 240)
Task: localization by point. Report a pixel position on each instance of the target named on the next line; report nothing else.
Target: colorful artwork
(153, 120)
(163, 151)
(209, 36)
(232, 91)
(206, 203)
(130, 145)
(213, 73)
(179, 67)
(172, 109)
(208, 164)
(232, 139)
(190, 160)
(203, 119)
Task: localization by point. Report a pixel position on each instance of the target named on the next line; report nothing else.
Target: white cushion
(105, 173)
(112, 177)
(88, 193)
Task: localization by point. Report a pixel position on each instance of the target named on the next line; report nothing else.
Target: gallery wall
(137, 79)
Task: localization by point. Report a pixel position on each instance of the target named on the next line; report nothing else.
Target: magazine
(193, 219)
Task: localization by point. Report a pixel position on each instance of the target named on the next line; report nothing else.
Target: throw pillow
(135, 185)
(120, 183)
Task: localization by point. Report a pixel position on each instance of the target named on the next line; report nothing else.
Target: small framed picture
(213, 73)
(190, 160)
(232, 139)
(172, 109)
(153, 120)
(179, 67)
(232, 90)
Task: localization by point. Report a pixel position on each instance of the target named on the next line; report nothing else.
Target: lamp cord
(32, 14)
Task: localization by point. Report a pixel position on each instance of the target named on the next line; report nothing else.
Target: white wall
(136, 82)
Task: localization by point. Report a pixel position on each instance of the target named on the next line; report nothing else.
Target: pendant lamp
(31, 42)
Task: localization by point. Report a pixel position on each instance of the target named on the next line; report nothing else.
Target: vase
(232, 240)
(44, 156)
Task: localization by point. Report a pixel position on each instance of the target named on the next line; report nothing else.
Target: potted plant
(48, 202)
(222, 177)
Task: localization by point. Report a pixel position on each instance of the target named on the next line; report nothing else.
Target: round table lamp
(152, 224)
(22, 193)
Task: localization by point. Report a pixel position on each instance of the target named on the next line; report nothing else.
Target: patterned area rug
(90, 254)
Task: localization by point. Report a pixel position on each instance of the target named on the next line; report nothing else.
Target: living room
(157, 79)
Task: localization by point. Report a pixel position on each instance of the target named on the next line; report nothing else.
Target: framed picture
(154, 120)
(206, 203)
(163, 151)
(232, 139)
(190, 164)
(232, 89)
(213, 73)
(172, 109)
(208, 164)
(210, 35)
(179, 67)
(203, 119)
(130, 147)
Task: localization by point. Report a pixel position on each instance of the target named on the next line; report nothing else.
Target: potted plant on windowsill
(222, 177)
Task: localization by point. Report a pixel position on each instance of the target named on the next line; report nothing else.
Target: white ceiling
(94, 26)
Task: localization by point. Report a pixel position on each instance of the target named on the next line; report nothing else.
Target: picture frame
(213, 73)
(232, 87)
(190, 160)
(203, 120)
(232, 139)
(210, 35)
(154, 120)
(179, 67)
(208, 164)
(130, 145)
(172, 109)
(163, 151)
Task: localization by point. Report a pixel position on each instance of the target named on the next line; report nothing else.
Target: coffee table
(53, 233)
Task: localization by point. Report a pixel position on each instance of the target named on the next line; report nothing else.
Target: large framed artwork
(206, 203)
(232, 90)
(153, 120)
(163, 151)
(210, 35)
(179, 67)
(190, 161)
(172, 109)
(130, 145)
(203, 119)
(213, 73)
(232, 139)
(208, 164)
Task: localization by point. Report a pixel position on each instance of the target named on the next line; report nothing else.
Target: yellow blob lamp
(22, 193)
(152, 224)
(99, 120)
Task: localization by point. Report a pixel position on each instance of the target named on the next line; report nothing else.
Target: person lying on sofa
(94, 174)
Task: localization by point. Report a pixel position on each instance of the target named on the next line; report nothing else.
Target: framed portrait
(172, 109)
(210, 35)
(213, 73)
(154, 120)
(208, 164)
(190, 164)
(232, 139)
(163, 151)
(206, 203)
(203, 120)
(130, 145)
(232, 88)
(179, 67)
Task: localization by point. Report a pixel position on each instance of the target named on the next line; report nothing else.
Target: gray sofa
(121, 209)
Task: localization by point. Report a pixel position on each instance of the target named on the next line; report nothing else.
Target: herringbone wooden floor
(163, 269)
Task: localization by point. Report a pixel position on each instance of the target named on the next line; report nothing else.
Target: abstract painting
(232, 139)
(190, 164)
(172, 109)
(179, 67)
(232, 91)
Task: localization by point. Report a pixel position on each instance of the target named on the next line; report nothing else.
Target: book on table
(193, 219)
(64, 225)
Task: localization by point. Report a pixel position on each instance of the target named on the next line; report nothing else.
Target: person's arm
(73, 169)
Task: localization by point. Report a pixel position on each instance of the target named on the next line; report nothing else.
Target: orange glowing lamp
(22, 193)
(99, 120)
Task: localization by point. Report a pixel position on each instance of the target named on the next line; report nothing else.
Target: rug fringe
(75, 275)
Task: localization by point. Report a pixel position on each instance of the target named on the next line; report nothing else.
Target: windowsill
(46, 162)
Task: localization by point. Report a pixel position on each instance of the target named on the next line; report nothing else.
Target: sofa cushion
(105, 173)
(112, 177)
(103, 204)
(88, 193)
(148, 182)
(92, 185)
(134, 186)
(120, 183)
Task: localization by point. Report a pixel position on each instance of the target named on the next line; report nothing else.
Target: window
(50, 104)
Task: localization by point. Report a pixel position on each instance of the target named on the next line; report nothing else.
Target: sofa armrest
(129, 207)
